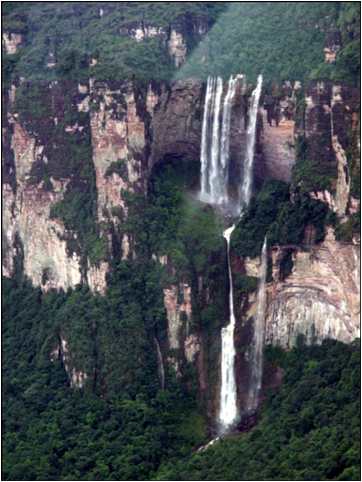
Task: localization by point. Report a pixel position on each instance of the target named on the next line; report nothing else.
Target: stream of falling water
(247, 185)
(215, 143)
(160, 365)
(228, 415)
(258, 337)
(228, 402)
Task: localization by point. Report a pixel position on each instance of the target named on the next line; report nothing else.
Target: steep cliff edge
(328, 160)
(83, 147)
(34, 182)
(318, 299)
(125, 133)
(312, 229)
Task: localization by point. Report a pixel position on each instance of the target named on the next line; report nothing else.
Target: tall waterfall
(215, 143)
(228, 402)
(258, 338)
(247, 185)
(228, 399)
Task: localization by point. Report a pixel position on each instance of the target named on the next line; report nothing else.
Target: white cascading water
(228, 415)
(205, 138)
(247, 185)
(215, 143)
(225, 136)
(215, 181)
(228, 402)
(160, 366)
(258, 337)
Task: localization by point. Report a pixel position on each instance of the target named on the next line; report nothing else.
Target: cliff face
(11, 42)
(319, 298)
(119, 128)
(100, 141)
(312, 291)
(28, 228)
(328, 126)
(176, 123)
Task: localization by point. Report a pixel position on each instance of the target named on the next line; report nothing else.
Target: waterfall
(228, 415)
(215, 141)
(225, 135)
(258, 337)
(160, 367)
(205, 145)
(228, 402)
(215, 181)
(246, 188)
(215, 159)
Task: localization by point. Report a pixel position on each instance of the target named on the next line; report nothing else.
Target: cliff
(75, 152)
(83, 146)
(319, 298)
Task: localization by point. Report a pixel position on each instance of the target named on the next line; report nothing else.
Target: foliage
(345, 231)
(248, 237)
(354, 162)
(121, 426)
(348, 64)
(244, 283)
(281, 40)
(310, 174)
(283, 220)
(309, 428)
(119, 167)
(171, 222)
(32, 102)
(76, 33)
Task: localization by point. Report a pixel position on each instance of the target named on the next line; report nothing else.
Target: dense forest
(126, 419)
(277, 39)
(308, 429)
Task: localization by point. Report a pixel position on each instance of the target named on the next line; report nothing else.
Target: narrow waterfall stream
(216, 183)
(160, 365)
(258, 337)
(225, 137)
(228, 402)
(247, 185)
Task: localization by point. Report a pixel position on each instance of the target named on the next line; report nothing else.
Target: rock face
(27, 223)
(193, 336)
(177, 301)
(11, 42)
(110, 124)
(176, 123)
(33, 186)
(327, 127)
(332, 46)
(177, 38)
(120, 133)
(77, 377)
(313, 291)
(120, 143)
(278, 149)
(123, 131)
(318, 299)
